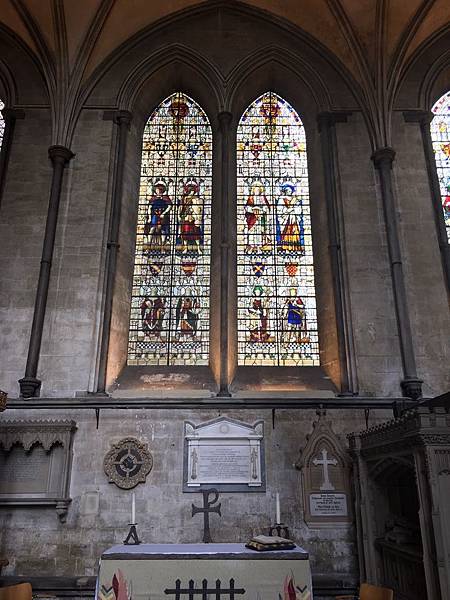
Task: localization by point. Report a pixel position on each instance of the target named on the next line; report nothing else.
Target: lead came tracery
(169, 322)
(277, 322)
(440, 134)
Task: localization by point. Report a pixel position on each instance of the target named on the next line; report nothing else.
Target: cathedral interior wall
(137, 80)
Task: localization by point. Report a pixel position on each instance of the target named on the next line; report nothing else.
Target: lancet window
(277, 321)
(169, 323)
(440, 135)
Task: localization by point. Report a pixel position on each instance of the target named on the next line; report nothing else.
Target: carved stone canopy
(30, 433)
(128, 463)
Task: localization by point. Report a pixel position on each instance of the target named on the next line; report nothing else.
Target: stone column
(122, 119)
(10, 115)
(347, 363)
(224, 123)
(30, 385)
(411, 385)
(424, 118)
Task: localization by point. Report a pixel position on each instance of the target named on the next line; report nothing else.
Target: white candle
(133, 509)
(278, 520)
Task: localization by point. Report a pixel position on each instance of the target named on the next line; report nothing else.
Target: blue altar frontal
(203, 572)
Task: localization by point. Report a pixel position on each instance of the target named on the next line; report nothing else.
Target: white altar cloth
(202, 572)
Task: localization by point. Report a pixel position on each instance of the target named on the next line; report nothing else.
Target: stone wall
(37, 544)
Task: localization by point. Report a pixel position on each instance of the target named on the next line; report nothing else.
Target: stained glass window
(2, 123)
(277, 322)
(169, 323)
(440, 134)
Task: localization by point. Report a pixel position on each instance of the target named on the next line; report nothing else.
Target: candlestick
(278, 519)
(133, 509)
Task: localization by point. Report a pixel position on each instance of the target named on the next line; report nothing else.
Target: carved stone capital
(60, 154)
(418, 116)
(29, 387)
(383, 157)
(122, 117)
(412, 387)
(11, 114)
(327, 119)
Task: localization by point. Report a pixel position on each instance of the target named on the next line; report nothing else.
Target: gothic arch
(172, 56)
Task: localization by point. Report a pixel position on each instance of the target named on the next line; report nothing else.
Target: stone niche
(325, 467)
(402, 493)
(35, 464)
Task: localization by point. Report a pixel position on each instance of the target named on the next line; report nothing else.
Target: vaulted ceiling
(374, 39)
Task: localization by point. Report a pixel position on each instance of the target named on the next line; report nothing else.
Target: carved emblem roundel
(128, 463)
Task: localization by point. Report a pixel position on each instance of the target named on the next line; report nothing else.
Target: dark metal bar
(224, 122)
(326, 122)
(411, 385)
(10, 115)
(424, 118)
(30, 384)
(122, 118)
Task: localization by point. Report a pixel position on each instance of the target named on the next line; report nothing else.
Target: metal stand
(132, 538)
(279, 529)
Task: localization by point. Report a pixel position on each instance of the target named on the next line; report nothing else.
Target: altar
(202, 572)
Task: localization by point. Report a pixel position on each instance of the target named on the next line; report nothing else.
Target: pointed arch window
(169, 322)
(277, 321)
(440, 135)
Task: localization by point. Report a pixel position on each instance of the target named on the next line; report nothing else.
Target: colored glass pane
(277, 321)
(440, 135)
(169, 323)
(2, 123)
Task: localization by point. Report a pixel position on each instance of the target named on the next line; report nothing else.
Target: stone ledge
(93, 401)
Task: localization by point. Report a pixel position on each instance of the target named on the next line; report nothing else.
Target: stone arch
(173, 55)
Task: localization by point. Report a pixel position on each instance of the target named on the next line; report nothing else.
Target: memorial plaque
(224, 453)
(328, 505)
(325, 467)
(35, 462)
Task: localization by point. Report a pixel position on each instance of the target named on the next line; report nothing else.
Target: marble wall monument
(325, 469)
(224, 453)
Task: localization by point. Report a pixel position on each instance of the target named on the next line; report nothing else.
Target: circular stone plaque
(128, 463)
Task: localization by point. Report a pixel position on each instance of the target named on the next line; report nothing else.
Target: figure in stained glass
(257, 210)
(157, 228)
(170, 299)
(187, 315)
(258, 322)
(277, 322)
(152, 315)
(2, 123)
(290, 229)
(294, 319)
(190, 216)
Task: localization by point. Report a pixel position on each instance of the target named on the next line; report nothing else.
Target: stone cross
(207, 508)
(325, 461)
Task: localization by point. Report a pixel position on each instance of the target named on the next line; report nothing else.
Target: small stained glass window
(277, 322)
(2, 123)
(169, 323)
(440, 135)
